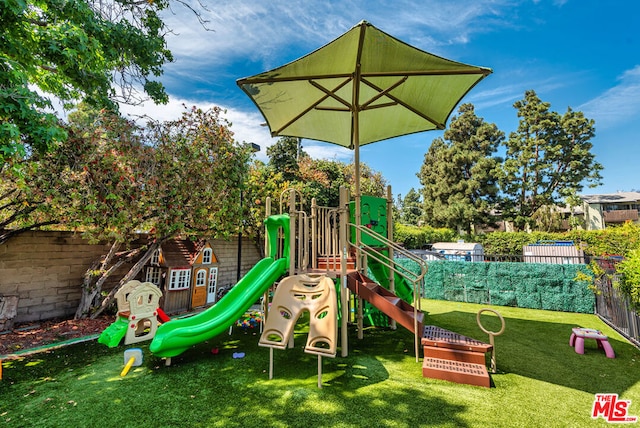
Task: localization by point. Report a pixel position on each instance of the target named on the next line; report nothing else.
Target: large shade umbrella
(365, 86)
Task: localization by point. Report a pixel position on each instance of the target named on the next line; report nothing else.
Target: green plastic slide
(112, 335)
(403, 289)
(176, 336)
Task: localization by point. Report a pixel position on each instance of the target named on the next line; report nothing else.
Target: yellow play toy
(294, 295)
(132, 358)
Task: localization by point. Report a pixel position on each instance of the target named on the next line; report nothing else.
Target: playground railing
(375, 253)
(325, 236)
(414, 278)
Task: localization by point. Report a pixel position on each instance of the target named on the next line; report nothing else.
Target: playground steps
(453, 357)
(386, 301)
(334, 263)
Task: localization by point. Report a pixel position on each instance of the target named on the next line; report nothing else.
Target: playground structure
(309, 249)
(354, 100)
(138, 313)
(317, 244)
(337, 243)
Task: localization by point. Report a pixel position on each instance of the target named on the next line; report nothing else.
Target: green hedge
(524, 285)
(617, 240)
(417, 237)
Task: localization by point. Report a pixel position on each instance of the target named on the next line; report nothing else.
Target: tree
(262, 182)
(547, 159)
(572, 201)
(284, 156)
(322, 179)
(319, 178)
(547, 219)
(314, 178)
(63, 186)
(372, 182)
(460, 173)
(72, 50)
(186, 178)
(629, 278)
(411, 208)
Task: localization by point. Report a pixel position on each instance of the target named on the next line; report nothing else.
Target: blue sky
(583, 54)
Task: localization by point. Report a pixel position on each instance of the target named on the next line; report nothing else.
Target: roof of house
(181, 252)
(612, 198)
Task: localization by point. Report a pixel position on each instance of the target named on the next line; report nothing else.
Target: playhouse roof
(181, 252)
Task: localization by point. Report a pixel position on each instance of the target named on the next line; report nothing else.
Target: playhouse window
(206, 256)
(153, 275)
(201, 278)
(155, 259)
(213, 279)
(179, 279)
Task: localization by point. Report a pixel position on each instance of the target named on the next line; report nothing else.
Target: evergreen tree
(411, 208)
(284, 156)
(460, 172)
(547, 159)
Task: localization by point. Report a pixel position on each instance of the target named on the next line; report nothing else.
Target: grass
(540, 382)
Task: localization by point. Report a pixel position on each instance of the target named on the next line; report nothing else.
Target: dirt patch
(33, 335)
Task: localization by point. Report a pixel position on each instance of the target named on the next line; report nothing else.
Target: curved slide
(176, 336)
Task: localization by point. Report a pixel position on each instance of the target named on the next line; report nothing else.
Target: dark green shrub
(414, 237)
(629, 282)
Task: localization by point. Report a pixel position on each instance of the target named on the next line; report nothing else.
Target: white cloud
(327, 151)
(619, 104)
(265, 31)
(513, 87)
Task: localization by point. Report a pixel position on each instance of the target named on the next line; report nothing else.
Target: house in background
(186, 272)
(610, 209)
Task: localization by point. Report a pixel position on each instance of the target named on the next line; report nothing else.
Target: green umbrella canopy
(363, 87)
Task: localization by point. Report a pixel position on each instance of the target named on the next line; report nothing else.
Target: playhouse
(138, 314)
(186, 272)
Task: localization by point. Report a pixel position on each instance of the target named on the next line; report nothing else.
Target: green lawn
(541, 381)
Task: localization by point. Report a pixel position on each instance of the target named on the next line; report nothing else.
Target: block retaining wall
(45, 270)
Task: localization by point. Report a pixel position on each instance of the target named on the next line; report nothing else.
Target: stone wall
(45, 270)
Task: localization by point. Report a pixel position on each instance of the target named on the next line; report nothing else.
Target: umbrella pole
(344, 290)
(359, 266)
(355, 106)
